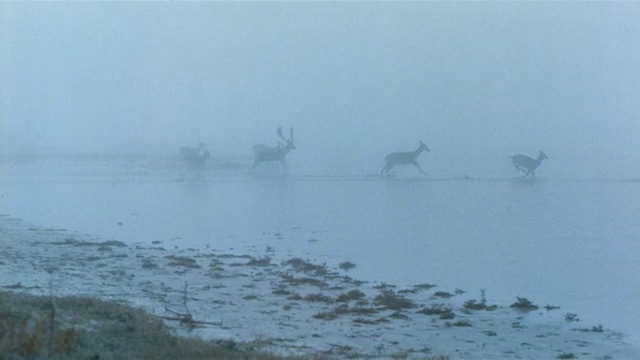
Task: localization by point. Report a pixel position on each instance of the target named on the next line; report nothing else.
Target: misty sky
(477, 82)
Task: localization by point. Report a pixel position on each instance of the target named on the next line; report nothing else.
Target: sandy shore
(293, 306)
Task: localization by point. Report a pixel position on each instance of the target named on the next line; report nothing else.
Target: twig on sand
(52, 317)
(186, 319)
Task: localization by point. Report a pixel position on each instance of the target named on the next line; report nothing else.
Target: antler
(291, 134)
(279, 131)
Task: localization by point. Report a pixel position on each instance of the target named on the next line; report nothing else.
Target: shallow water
(575, 244)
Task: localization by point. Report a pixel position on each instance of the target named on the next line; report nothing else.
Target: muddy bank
(293, 306)
(48, 327)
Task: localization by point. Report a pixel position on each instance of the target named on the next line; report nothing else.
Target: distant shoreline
(237, 164)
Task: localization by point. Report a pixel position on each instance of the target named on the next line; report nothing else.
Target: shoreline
(294, 307)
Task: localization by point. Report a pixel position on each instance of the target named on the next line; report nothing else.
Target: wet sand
(294, 306)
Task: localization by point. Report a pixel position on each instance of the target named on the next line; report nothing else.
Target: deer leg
(415, 162)
(385, 170)
(285, 167)
(526, 173)
(255, 163)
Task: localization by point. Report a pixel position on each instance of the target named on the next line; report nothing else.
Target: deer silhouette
(404, 158)
(526, 164)
(264, 153)
(195, 156)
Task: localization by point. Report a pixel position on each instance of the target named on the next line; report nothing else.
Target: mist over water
(97, 98)
(477, 82)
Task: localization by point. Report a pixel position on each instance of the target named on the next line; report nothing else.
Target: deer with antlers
(404, 158)
(264, 153)
(526, 164)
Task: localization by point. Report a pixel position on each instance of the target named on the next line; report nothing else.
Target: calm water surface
(575, 244)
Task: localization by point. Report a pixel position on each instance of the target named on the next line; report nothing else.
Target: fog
(477, 82)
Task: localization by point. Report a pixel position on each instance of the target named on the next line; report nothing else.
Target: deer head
(542, 155)
(424, 146)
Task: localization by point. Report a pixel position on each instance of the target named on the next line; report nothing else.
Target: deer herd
(264, 153)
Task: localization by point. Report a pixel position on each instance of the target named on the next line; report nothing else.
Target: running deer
(195, 156)
(263, 153)
(526, 164)
(404, 158)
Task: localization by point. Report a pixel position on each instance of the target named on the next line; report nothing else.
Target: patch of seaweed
(74, 242)
(569, 317)
(479, 305)
(182, 261)
(148, 263)
(443, 294)
(306, 267)
(566, 356)
(265, 261)
(346, 265)
(443, 313)
(319, 297)
(344, 309)
(388, 299)
(424, 286)
(596, 329)
(463, 323)
(524, 304)
(291, 280)
(351, 295)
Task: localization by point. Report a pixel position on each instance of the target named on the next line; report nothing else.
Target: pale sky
(477, 82)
